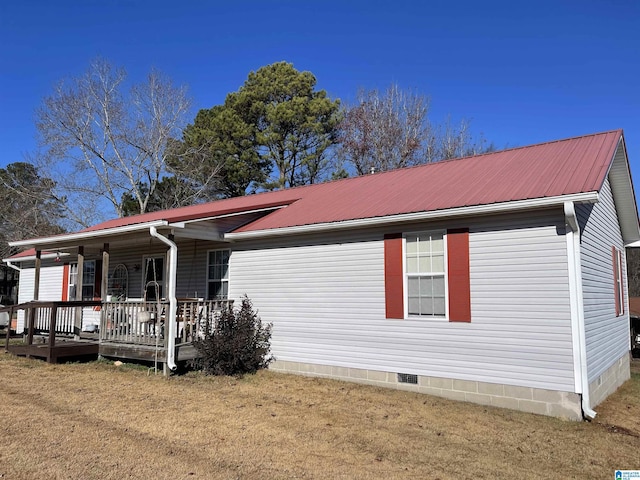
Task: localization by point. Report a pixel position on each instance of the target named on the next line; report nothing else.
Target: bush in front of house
(237, 344)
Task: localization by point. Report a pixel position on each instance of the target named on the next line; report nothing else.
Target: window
(218, 275)
(428, 275)
(425, 270)
(153, 278)
(618, 280)
(88, 280)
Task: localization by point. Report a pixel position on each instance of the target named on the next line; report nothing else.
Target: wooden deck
(61, 350)
(128, 330)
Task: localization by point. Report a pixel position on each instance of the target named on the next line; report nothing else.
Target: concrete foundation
(533, 400)
(610, 380)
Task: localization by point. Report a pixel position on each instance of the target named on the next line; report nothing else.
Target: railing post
(6, 344)
(77, 324)
(31, 324)
(52, 332)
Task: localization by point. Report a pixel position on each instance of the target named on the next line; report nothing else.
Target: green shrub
(237, 344)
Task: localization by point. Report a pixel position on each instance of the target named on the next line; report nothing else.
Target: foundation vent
(407, 378)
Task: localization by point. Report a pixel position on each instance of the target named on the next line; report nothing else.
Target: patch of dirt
(619, 430)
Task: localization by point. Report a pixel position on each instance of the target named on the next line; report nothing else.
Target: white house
(497, 279)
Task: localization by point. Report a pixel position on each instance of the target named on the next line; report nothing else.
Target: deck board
(61, 350)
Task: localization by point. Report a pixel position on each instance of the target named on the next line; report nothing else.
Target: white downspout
(171, 293)
(11, 265)
(577, 308)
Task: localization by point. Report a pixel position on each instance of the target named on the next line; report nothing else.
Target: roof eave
(76, 238)
(619, 176)
(503, 207)
(30, 258)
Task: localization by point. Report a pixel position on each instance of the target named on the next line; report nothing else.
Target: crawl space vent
(407, 378)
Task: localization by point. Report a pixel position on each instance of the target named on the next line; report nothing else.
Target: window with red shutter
(432, 267)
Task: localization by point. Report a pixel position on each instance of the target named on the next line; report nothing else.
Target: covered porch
(139, 291)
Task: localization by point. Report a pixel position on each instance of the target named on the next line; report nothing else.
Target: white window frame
(405, 276)
(85, 283)
(222, 280)
(163, 283)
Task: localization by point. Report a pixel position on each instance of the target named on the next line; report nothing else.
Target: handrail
(51, 303)
(47, 313)
(123, 321)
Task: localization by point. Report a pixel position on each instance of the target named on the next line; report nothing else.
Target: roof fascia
(66, 239)
(624, 195)
(182, 224)
(30, 258)
(585, 197)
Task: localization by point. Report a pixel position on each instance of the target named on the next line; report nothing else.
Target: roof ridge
(549, 142)
(477, 155)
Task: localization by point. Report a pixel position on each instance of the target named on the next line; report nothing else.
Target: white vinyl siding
(325, 297)
(607, 335)
(50, 287)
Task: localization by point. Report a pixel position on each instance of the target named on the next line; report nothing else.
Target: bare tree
(392, 130)
(101, 142)
(28, 207)
(383, 132)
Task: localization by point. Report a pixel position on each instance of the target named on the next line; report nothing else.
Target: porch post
(104, 286)
(105, 272)
(36, 281)
(77, 325)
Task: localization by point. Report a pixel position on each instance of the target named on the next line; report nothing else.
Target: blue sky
(522, 72)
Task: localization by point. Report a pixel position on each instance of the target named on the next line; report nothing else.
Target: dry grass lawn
(98, 421)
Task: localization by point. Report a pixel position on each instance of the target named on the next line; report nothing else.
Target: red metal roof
(563, 167)
(576, 165)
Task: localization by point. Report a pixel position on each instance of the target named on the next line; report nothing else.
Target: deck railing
(196, 317)
(144, 322)
(133, 322)
(50, 318)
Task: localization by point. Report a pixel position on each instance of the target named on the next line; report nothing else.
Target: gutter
(171, 291)
(30, 258)
(11, 265)
(577, 309)
(588, 197)
(65, 238)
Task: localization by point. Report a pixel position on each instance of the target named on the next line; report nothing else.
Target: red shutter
(616, 292)
(621, 277)
(393, 276)
(458, 275)
(65, 282)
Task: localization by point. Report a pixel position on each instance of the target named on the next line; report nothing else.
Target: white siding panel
(51, 283)
(50, 287)
(25, 293)
(607, 336)
(326, 301)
